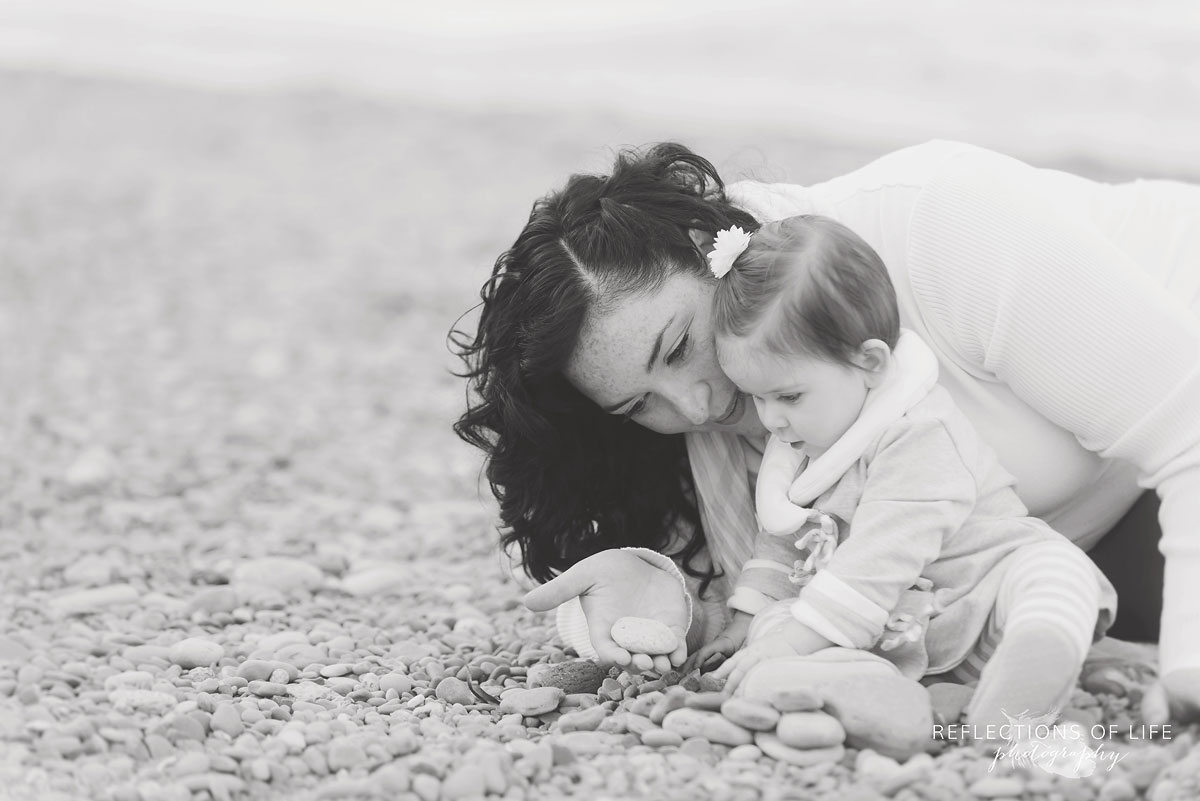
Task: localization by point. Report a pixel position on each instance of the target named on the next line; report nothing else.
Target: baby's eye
(790, 397)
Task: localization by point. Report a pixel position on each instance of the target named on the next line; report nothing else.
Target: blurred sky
(1042, 79)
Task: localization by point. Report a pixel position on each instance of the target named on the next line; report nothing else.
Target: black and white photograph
(679, 401)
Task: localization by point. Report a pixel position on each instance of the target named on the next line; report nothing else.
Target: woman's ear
(874, 357)
(703, 240)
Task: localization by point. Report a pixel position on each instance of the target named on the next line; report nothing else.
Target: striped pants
(1048, 583)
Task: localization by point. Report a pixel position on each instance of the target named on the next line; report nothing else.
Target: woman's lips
(733, 414)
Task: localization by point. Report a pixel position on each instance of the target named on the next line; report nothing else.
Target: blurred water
(1107, 81)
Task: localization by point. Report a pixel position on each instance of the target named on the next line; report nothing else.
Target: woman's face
(651, 358)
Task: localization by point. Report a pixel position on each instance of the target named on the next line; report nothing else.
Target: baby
(886, 523)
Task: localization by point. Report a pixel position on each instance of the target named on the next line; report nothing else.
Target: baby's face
(799, 398)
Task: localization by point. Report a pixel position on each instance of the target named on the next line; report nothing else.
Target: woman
(1062, 311)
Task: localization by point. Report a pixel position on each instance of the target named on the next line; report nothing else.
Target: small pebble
(82, 602)
(187, 727)
(745, 753)
(396, 681)
(997, 787)
(267, 689)
(644, 635)
(92, 469)
(195, 652)
(810, 730)
(773, 747)
(584, 720)
(797, 700)
(531, 703)
(1105, 681)
(709, 725)
(710, 701)
(661, 738)
(12, 651)
(455, 691)
(344, 753)
(465, 781)
(1117, 788)
(191, 762)
(888, 713)
(214, 600)
(280, 573)
(227, 719)
(150, 701)
(750, 714)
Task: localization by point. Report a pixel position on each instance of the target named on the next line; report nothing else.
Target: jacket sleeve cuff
(832, 607)
(573, 628)
(807, 614)
(750, 601)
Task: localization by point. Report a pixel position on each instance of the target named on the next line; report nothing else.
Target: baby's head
(805, 321)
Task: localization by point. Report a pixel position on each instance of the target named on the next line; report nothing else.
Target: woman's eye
(791, 397)
(680, 350)
(635, 409)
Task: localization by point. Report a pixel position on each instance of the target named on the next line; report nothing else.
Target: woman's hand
(614, 584)
(1176, 696)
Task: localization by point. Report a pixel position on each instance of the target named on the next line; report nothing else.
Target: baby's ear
(703, 240)
(874, 357)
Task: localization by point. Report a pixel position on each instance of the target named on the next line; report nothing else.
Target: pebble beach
(242, 554)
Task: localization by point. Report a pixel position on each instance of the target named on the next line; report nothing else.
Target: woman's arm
(1035, 295)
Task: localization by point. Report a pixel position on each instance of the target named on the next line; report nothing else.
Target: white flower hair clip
(727, 246)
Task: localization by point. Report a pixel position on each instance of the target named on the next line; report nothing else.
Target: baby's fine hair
(808, 284)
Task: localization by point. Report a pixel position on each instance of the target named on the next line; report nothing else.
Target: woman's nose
(692, 404)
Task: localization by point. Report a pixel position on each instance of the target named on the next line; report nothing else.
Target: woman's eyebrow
(658, 344)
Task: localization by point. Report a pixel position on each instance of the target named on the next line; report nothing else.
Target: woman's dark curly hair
(572, 480)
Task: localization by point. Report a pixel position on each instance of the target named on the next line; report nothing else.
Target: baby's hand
(726, 643)
(1176, 696)
(789, 639)
(736, 667)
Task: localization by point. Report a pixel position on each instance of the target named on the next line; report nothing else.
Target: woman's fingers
(572, 583)
(679, 655)
(609, 653)
(642, 662)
